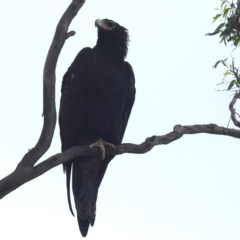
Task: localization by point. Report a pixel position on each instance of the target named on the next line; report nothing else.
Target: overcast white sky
(186, 190)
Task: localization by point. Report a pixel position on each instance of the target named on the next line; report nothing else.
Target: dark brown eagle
(98, 93)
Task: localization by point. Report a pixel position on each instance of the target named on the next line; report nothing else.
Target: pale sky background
(187, 190)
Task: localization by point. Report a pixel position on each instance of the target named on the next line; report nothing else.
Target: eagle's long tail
(84, 192)
(87, 175)
(85, 184)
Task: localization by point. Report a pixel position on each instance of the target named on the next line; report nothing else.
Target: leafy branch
(229, 32)
(229, 27)
(232, 71)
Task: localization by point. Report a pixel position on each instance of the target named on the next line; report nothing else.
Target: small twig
(211, 34)
(234, 71)
(70, 34)
(229, 121)
(237, 113)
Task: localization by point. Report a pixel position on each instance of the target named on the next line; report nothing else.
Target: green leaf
(225, 11)
(231, 84)
(223, 3)
(219, 27)
(216, 17)
(236, 42)
(227, 73)
(222, 39)
(223, 63)
(215, 65)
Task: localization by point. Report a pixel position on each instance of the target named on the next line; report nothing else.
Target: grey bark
(27, 173)
(15, 179)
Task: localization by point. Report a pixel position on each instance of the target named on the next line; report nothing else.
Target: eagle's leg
(101, 144)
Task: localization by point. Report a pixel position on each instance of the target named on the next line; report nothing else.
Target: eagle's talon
(101, 144)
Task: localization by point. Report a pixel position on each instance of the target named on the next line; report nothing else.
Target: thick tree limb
(49, 109)
(49, 79)
(25, 173)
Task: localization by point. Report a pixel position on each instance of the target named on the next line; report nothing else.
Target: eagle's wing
(76, 86)
(125, 116)
(130, 97)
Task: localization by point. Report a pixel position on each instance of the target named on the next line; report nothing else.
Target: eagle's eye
(110, 24)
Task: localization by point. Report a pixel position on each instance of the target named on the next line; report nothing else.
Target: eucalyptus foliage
(229, 33)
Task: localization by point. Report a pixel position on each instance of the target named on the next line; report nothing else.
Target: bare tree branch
(49, 109)
(232, 109)
(49, 79)
(23, 175)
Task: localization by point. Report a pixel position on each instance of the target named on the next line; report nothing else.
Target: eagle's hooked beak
(101, 24)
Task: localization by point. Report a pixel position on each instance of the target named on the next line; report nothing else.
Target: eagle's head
(111, 32)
